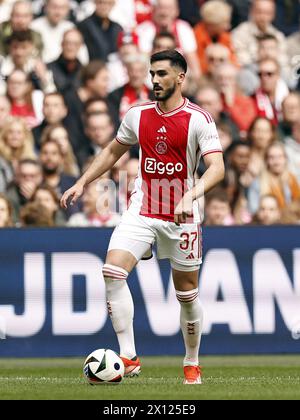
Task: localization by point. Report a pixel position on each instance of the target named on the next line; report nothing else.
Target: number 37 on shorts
(191, 243)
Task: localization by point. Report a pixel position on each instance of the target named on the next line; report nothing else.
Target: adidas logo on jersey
(190, 257)
(162, 129)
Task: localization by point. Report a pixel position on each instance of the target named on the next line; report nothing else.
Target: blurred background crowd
(70, 70)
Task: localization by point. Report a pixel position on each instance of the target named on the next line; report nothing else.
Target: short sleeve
(208, 137)
(126, 133)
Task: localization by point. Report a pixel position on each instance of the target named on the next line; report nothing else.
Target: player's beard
(167, 94)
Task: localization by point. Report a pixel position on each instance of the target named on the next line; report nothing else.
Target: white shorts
(182, 245)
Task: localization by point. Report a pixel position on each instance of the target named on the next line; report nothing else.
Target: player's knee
(123, 259)
(187, 297)
(113, 272)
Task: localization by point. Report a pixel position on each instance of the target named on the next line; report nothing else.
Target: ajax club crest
(161, 148)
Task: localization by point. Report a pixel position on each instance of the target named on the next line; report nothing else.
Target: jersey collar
(171, 113)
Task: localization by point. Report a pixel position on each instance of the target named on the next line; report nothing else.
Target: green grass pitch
(247, 377)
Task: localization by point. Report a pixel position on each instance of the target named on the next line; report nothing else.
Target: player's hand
(74, 193)
(183, 210)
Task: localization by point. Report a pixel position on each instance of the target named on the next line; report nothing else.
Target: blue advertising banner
(52, 295)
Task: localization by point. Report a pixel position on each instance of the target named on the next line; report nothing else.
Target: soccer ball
(103, 367)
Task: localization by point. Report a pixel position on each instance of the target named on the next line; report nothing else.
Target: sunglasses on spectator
(267, 73)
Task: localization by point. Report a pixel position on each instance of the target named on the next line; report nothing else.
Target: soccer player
(173, 134)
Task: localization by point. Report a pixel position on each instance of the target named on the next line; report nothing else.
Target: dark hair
(89, 115)
(266, 37)
(165, 34)
(52, 141)
(252, 127)
(176, 59)
(217, 194)
(57, 94)
(90, 71)
(20, 36)
(35, 215)
(93, 100)
(235, 145)
(45, 187)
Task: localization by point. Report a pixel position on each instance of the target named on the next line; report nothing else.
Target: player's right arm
(101, 164)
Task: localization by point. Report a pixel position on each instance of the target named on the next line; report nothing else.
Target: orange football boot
(193, 375)
(132, 367)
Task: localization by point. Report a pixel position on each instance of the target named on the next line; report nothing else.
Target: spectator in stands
(5, 109)
(290, 114)
(34, 215)
(261, 135)
(245, 36)
(25, 102)
(119, 166)
(128, 46)
(189, 11)
(165, 18)
(54, 112)
(293, 51)
(210, 100)
(47, 198)
(135, 91)
(239, 107)
(268, 48)
(99, 32)
(225, 135)
(292, 148)
(99, 131)
(131, 167)
(164, 41)
(20, 191)
(240, 11)
(5, 212)
(67, 67)
(20, 20)
(5, 9)
(291, 215)
(6, 174)
(272, 91)
(52, 161)
(52, 27)
(287, 16)
(96, 210)
(58, 133)
(143, 10)
(268, 212)
(216, 55)
(22, 56)
(94, 84)
(214, 28)
(16, 142)
(238, 179)
(130, 13)
(276, 180)
(217, 209)
(95, 105)
(124, 175)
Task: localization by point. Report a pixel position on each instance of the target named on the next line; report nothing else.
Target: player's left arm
(214, 174)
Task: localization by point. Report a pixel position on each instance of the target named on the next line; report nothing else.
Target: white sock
(120, 308)
(191, 322)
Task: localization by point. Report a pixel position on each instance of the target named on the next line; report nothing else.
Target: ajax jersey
(171, 145)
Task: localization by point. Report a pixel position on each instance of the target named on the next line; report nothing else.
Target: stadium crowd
(70, 69)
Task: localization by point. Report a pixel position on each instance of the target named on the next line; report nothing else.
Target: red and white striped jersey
(171, 145)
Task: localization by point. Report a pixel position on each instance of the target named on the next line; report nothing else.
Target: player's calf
(120, 308)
